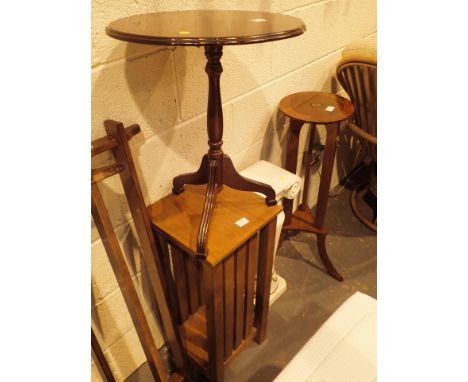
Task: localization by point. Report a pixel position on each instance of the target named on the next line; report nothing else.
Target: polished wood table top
(212, 29)
(317, 107)
(205, 27)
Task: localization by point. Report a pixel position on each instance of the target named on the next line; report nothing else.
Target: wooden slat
(124, 279)
(178, 216)
(195, 339)
(213, 279)
(163, 248)
(180, 279)
(251, 271)
(101, 361)
(192, 282)
(151, 255)
(229, 289)
(265, 265)
(101, 173)
(201, 293)
(240, 293)
(103, 144)
(241, 347)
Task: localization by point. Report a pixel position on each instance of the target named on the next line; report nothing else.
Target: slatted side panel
(250, 272)
(163, 247)
(180, 280)
(229, 296)
(239, 301)
(193, 282)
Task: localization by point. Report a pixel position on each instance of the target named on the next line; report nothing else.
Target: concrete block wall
(165, 91)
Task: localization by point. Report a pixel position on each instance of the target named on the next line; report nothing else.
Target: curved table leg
(234, 180)
(210, 200)
(322, 200)
(198, 177)
(322, 250)
(303, 219)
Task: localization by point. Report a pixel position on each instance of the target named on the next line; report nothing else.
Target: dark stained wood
(166, 261)
(101, 361)
(192, 282)
(150, 252)
(180, 279)
(239, 306)
(194, 337)
(358, 76)
(326, 176)
(175, 377)
(250, 273)
(308, 166)
(356, 195)
(211, 29)
(303, 220)
(101, 173)
(210, 200)
(265, 266)
(216, 168)
(219, 329)
(213, 278)
(239, 349)
(234, 180)
(205, 27)
(322, 250)
(106, 143)
(124, 279)
(311, 107)
(291, 161)
(198, 177)
(178, 218)
(229, 290)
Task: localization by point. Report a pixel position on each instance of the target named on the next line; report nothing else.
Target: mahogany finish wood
(101, 361)
(205, 27)
(211, 29)
(107, 143)
(234, 309)
(124, 279)
(265, 267)
(122, 155)
(358, 76)
(314, 108)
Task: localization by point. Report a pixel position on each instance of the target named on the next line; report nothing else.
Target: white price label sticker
(242, 222)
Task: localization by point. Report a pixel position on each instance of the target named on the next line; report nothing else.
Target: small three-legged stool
(314, 108)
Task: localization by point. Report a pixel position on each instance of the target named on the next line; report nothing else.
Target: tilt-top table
(211, 29)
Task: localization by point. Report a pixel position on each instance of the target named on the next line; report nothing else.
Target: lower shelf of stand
(195, 341)
(303, 220)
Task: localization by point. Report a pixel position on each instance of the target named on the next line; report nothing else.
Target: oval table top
(205, 27)
(316, 107)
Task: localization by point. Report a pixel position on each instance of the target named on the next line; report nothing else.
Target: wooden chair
(357, 73)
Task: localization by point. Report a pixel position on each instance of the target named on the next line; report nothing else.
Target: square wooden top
(178, 217)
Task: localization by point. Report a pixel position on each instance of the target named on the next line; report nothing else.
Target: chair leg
(357, 195)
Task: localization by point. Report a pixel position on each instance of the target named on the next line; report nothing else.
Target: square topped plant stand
(221, 301)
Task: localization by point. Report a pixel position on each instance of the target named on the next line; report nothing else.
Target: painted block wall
(164, 90)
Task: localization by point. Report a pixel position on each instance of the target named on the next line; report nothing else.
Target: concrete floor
(312, 296)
